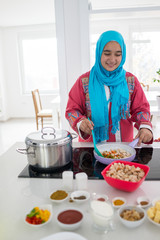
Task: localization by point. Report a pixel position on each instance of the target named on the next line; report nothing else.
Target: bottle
(67, 177)
(81, 181)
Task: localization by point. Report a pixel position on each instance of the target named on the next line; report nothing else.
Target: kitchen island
(20, 194)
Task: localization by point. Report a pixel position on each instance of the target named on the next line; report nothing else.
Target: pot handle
(51, 132)
(23, 151)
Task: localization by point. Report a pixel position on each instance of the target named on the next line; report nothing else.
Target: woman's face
(111, 56)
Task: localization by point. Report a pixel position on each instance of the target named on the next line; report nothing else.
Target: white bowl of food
(69, 218)
(152, 221)
(39, 216)
(153, 214)
(80, 196)
(58, 196)
(131, 216)
(143, 201)
(118, 202)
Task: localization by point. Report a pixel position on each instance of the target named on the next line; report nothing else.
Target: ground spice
(80, 197)
(101, 199)
(59, 195)
(118, 202)
(71, 200)
(143, 203)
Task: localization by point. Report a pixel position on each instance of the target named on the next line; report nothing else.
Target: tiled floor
(15, 130)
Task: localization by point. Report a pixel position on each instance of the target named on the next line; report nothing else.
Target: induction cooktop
(83, 161)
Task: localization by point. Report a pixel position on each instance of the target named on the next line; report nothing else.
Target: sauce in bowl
(70, 216)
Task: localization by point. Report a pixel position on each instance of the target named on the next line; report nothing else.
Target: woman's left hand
(144, 135)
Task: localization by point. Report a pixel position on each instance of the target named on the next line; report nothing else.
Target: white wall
(18, 104)
(72, 26)
(3, 105)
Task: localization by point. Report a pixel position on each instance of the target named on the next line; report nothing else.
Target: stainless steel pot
(48, 148)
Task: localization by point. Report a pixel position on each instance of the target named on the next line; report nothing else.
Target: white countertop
(19, 194)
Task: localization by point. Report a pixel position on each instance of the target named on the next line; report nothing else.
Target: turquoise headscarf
(116, 81)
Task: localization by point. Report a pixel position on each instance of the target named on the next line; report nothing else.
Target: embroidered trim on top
(72, 117)
(85, 83)
(131, 85)
(142, 116)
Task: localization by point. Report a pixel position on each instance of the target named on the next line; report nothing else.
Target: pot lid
(49, 135)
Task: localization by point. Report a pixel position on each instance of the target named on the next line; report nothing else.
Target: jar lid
(49, 136)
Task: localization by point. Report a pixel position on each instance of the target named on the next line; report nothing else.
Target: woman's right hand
(86, 126)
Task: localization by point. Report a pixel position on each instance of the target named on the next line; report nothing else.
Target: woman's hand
(86, 126)
(144, 135)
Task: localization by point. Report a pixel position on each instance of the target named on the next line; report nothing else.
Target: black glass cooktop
(84, 161)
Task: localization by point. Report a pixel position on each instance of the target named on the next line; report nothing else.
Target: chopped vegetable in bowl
(38, 216)
(116, 154)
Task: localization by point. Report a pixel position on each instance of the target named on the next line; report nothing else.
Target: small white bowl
(44, 207)
(99, 197)
(69, 214)
(143, 199)
(131, 224)
(154, 212)
(76, 194)
(155, 200)
(59, 201)
(118, 198)
(157, 224)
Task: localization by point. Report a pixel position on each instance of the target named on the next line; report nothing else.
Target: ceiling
(26, 12)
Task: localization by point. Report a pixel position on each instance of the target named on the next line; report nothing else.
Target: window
(38, 62)
(139, 24)
(143, 49)
(146, 56)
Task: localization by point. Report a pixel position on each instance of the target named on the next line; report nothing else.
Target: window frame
(146, 28)
(40, 34)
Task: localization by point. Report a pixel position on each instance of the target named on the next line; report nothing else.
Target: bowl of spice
(69, 218)
(58, 196)
(118, 202)
(80, 196)
(100, 197)
(143, 202)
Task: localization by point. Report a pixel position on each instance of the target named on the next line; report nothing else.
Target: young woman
(111, 97)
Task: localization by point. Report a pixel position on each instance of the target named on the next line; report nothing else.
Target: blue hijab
(116, 81)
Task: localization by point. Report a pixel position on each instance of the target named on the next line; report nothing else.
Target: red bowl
(121, 184)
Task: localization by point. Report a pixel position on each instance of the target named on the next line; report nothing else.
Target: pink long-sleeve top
(78, 108)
